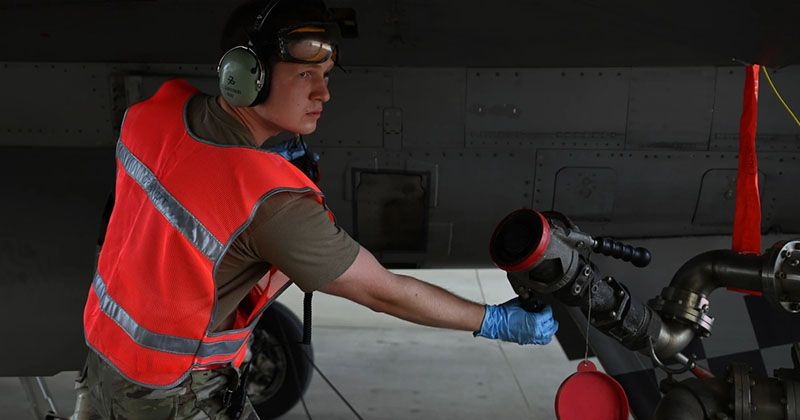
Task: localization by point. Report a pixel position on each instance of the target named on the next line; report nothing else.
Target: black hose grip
(532, 305)
(639, 257)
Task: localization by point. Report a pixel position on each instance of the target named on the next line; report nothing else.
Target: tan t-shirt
(291, 231)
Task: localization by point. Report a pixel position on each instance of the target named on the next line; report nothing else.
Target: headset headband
(263, 15)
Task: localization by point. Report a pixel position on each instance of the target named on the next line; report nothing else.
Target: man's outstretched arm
(367, 282)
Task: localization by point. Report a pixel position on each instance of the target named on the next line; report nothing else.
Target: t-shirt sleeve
(293, 232)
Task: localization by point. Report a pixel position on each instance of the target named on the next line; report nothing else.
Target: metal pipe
(684, 305)
(720, 268)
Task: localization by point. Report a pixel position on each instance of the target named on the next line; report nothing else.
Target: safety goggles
(309, 44)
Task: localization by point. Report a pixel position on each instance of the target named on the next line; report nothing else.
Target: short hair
(240, 27)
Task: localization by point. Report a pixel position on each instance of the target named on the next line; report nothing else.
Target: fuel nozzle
(546, 258)
(549, 246)
(530, 247)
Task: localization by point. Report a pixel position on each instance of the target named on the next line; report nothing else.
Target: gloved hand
(509, 322)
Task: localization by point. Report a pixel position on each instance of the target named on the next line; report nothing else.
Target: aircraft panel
(133, 82)
(670, 108)
(357, 119)
(465, 204)
(336, 182)
(779, 198)
(55, 105)
(391, 209)
(717, 202)
(586, 193)
(438, 120)
(512, 108)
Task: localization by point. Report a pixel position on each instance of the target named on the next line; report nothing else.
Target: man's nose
(321, 91)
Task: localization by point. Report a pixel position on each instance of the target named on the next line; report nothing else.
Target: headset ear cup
(241, 76)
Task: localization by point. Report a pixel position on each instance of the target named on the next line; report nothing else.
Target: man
(208, 228)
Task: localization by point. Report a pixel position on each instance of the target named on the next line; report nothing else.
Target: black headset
(243, 76)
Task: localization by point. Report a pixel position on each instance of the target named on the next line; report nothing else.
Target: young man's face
(297, 92)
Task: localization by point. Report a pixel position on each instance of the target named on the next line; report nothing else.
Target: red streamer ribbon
(747, 220)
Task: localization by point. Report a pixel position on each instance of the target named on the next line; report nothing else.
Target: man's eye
(327, 78)
(303, 75)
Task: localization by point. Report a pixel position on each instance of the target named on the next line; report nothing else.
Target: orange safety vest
(180, 203)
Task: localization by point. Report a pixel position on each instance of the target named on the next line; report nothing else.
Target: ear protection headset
(243, 76)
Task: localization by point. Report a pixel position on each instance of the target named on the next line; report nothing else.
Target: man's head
(298, 92)
(262, 33)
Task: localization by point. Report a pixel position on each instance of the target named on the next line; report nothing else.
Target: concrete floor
(391, 369)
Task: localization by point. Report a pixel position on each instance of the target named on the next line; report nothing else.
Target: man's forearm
(417, 301)
(368, 283)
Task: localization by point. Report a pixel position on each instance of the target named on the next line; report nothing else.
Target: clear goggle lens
(308, 51)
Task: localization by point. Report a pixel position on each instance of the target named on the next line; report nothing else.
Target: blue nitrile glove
(509, 322)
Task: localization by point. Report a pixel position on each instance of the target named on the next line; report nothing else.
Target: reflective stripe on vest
(169, 207)
(162, 342)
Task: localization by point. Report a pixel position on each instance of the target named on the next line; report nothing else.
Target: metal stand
(38, 394)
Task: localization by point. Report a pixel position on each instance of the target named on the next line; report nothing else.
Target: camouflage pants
(199, 397)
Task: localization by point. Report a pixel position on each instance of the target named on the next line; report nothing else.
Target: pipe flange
(686, 306)
(780, 278)
(742, 395)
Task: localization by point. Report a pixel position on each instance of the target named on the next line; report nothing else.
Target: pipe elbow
(673, 337)
(719, 268)
(698, 274)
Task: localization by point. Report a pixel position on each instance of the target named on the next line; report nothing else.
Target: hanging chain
(588, 322)
(589, 314)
